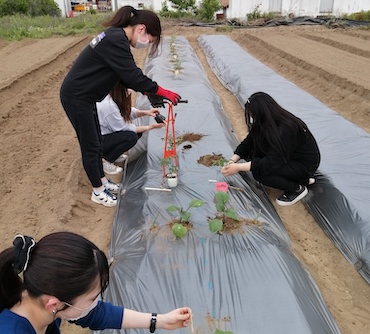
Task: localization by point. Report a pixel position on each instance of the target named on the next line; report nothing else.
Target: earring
(54, 312)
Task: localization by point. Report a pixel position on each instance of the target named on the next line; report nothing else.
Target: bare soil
(45, 188)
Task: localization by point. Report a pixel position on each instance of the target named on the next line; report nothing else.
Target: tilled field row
(329, 73)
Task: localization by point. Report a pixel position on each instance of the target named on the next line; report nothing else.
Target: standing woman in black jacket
(279, 150)
(104, 62)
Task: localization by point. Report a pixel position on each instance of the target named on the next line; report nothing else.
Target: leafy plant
(358, 16)
(184, 215)
(209, 8)
(216, 224)
(179, 229)
(170, 165)
(255, 14)
(219, 162)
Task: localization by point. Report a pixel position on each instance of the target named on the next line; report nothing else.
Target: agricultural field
(46, 189)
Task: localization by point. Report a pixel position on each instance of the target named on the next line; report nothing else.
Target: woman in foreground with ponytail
(63, 276)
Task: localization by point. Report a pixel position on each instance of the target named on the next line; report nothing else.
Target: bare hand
(230, 169)
(175, 319)
(152, 112)
(157, 125)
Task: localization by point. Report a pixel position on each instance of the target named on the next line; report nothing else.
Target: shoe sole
(297, 199)
(107, 204)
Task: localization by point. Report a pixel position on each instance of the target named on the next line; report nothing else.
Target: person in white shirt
(117, 128)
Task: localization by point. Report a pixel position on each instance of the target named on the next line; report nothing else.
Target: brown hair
(120, 96)
(129, 16)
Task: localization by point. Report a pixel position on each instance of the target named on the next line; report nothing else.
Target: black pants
(84, 119)
(114, 144)
(287, 178)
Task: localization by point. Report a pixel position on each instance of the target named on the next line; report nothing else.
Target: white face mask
(85, 311)
(142, 45)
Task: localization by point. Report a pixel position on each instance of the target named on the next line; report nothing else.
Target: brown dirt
(211, 160)
(191, 137)
(45, 187)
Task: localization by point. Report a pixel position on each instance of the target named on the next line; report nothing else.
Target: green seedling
(220, 162)
(170, 165)
(178, 229)
(216, 224)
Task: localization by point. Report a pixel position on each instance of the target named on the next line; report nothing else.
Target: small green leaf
(185, 216)
(215, 225)
(196, 203)
(221, 199)
(231, 214)
(179, 230)
(173, 208)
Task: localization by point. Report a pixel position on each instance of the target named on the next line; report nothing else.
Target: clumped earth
(44, 187)
(191, 137)
(209, 160)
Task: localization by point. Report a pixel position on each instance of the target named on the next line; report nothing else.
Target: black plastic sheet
(245, 282)
(339, 201)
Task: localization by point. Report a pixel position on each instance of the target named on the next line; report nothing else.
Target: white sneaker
(122, 158)
(110, 168)
(292, 197)
(111, 186)
(105, 198)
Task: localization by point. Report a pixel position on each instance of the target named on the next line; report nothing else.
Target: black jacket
(104, 62)
(265, 163)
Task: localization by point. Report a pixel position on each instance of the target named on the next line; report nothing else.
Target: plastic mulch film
(245, 280)
(339, 201)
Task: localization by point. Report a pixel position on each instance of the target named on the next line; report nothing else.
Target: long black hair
(268, 119)
(61, 264)
(129, 16)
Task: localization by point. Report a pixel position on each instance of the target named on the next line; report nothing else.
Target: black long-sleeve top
(307, 154)
(104, 62)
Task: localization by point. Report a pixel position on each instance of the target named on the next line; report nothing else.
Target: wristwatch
(153, 322)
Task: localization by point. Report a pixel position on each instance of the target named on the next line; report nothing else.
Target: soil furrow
(338, 45)
(329, 88)
(26, 80)
(357, 33)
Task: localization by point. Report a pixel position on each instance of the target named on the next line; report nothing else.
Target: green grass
(359, 16)
(18, 27)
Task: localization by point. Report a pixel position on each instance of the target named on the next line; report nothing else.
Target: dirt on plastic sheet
(211, 160)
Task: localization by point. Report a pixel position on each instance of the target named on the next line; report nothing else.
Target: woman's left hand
(157, 126)
(175, 319)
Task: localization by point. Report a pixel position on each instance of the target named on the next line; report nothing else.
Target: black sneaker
(292, 197)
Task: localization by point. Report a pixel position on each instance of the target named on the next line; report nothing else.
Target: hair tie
(23, 246)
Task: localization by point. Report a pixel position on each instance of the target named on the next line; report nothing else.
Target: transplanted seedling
(180, 227)
(219, 162)
(223, 212)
